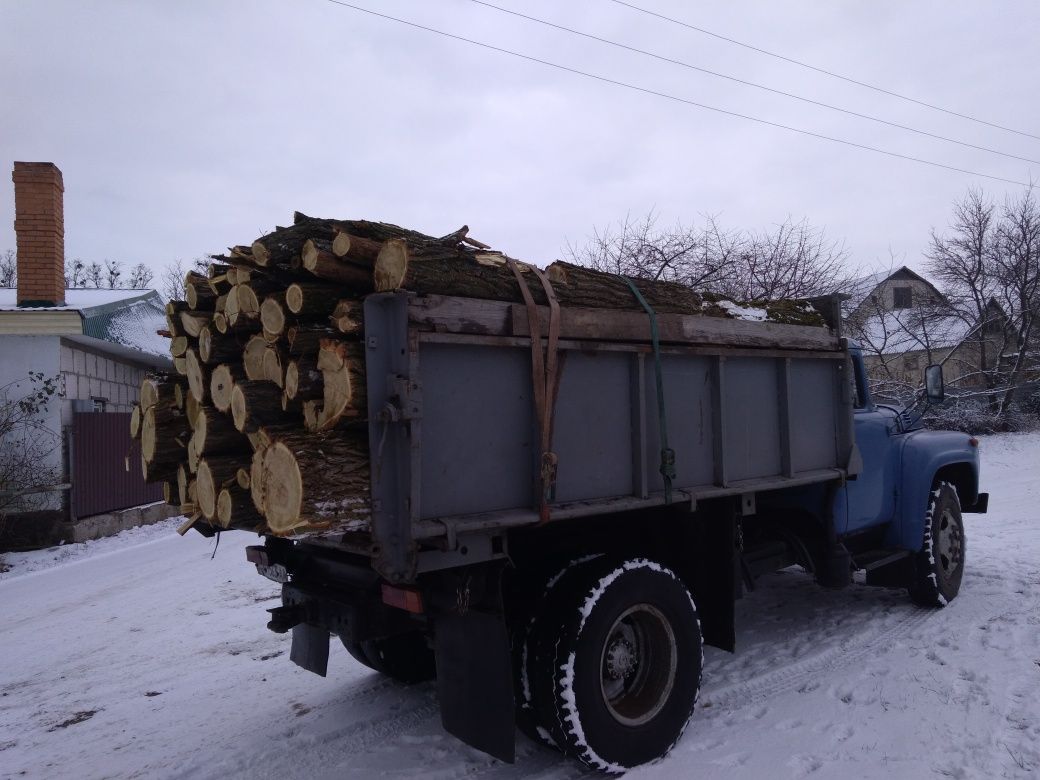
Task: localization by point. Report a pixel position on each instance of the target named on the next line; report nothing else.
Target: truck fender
(926, 455)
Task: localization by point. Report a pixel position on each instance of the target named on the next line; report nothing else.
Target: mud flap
(475, 681)
(310, 648)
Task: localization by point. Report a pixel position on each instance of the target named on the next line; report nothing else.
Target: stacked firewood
(262, 425)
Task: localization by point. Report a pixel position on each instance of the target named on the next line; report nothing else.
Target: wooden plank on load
(497, 318)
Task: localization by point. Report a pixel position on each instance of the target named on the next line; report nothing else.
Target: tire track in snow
(849, 651)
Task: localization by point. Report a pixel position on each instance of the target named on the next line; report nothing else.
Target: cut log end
(260, 254)
(283, 488)
(391, 265)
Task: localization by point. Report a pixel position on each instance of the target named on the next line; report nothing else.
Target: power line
(824, 71)
(699, 69)
(675, 98)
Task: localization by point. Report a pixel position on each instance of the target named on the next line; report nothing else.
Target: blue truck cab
(899, 516)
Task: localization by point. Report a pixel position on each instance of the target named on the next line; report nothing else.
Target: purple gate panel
(100, 448)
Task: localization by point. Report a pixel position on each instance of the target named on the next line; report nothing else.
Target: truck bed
(455, 452)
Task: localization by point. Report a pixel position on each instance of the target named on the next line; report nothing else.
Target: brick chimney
(39, 226)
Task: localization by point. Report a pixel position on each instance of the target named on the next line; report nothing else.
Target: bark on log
(222, 383)
(158, 389)
(355, 249)
(312, 481)
(281, 246)
(214, 347)
(215, 434)
(325, 265)
(173, 319)
(303, 380)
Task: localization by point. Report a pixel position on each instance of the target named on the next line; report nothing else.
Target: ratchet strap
(667, 467)
(544, 370)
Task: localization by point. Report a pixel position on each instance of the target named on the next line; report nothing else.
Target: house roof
(860, 289)
(901, 330)
(129, 319)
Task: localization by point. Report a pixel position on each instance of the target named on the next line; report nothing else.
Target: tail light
(408, 599)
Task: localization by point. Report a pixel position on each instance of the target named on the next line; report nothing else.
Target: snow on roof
(77, 299)
(130, 318)
(904, 330)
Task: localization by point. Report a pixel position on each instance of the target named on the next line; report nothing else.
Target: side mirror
(933, 384)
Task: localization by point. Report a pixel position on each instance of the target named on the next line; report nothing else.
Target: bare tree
(8, 268)
(171, 281)
(26, 444)
(989, 265)
(140, 277)
(794, 261)
(1017, 270)
(75, 273)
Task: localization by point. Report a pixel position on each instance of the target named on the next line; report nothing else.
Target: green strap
(667, 467)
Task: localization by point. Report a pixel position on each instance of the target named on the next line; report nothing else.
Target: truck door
(871, 495)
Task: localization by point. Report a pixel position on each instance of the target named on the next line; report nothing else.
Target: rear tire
(617, 664)
(939, 566)
(406, 658)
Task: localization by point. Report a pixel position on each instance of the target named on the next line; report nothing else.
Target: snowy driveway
(140, 656)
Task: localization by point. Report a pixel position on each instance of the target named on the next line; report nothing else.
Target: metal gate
(99, 452)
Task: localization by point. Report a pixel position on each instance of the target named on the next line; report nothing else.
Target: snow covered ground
(140, 656)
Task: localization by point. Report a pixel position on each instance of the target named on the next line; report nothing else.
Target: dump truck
(566, 503)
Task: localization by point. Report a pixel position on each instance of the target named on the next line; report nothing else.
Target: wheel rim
(950, 543)
(637, 665)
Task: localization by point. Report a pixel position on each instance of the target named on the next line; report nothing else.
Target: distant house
(904, 323)
(98, 344)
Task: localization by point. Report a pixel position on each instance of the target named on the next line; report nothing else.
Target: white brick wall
(88, 375)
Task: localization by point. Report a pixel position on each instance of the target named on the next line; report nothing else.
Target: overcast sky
(185, 126)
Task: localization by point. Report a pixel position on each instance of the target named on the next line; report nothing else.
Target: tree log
(281, 246)
(344, 392)
(254, 404)
(135, 421)
(192, 322)
(253, 358)
(215, 473)
(356, 249)
(158, 389)
(182, 483)
(313, 481)
(164, 436)
(180, 365)
(215, 434)
(217, 348)
(273, 316)
(242, 477)
(178, 345)
(173, 319)
(221, 384)
(273, 363)
(303, 380)
(348, 317)
(197, 292)
(311, 300)
(256, 482)
(325, 265)
(235, 509)
(197, 378)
